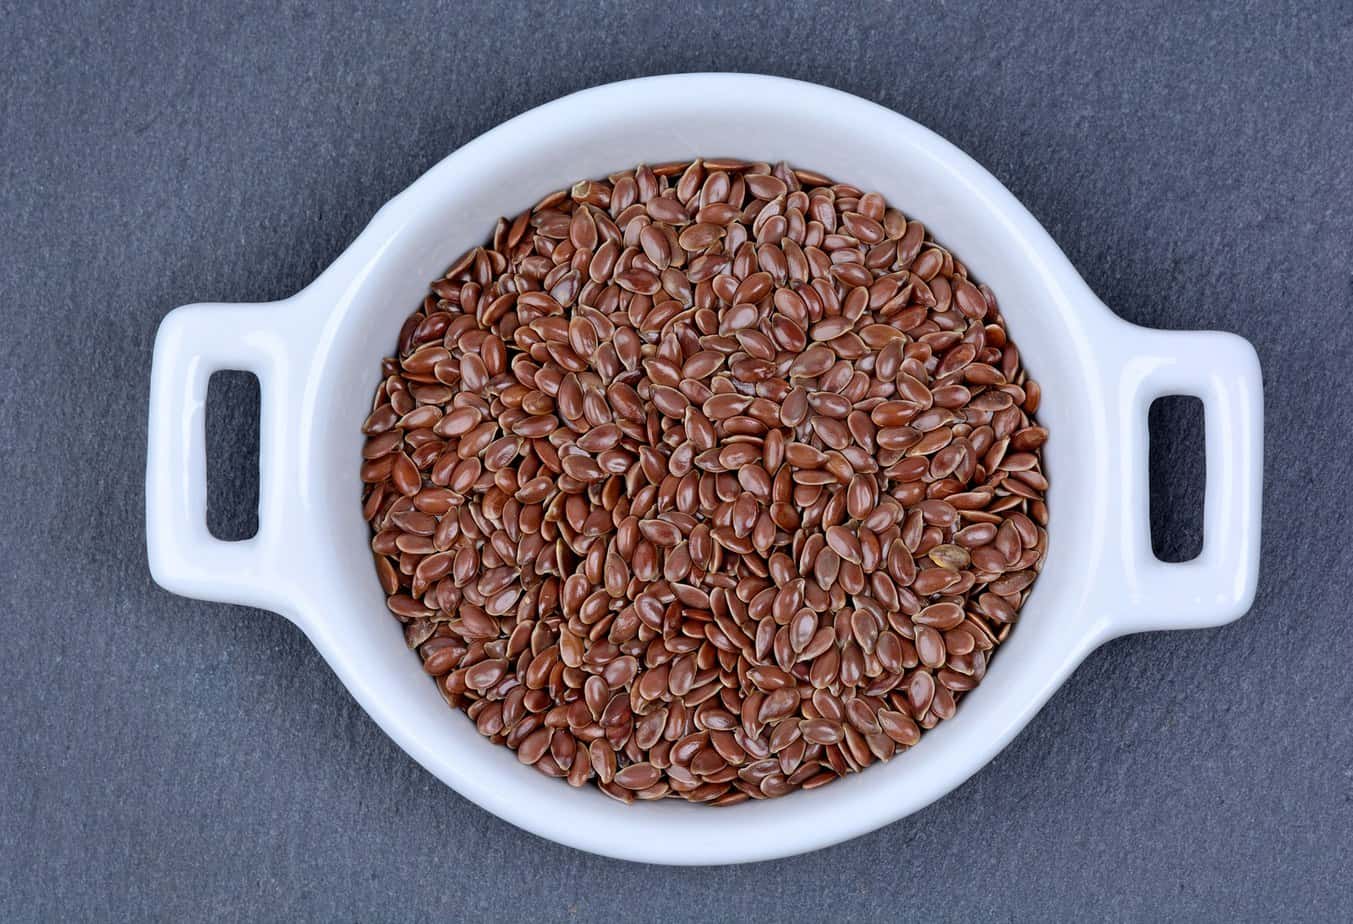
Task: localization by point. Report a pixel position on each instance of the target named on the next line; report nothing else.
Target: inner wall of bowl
(455, 208)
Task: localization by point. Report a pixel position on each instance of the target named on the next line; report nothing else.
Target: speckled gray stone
(166, 759)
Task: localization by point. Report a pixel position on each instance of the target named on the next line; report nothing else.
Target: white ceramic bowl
(317, 356)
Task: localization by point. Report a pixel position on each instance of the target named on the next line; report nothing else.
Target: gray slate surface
(163, 758)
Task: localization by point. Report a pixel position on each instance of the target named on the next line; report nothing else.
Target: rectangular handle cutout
(232, 424)
(1178, 465)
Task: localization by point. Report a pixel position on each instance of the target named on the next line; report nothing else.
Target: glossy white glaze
(317, 356)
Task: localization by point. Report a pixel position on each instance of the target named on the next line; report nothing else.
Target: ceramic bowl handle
(1219, 585)
(193, 342)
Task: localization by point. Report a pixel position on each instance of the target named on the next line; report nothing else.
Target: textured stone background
(164, 758)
